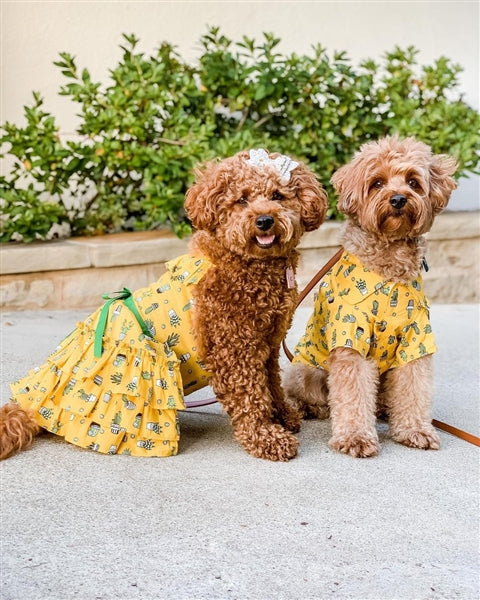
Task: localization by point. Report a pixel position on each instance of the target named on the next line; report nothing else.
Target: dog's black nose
(398, 201)
(264, 222)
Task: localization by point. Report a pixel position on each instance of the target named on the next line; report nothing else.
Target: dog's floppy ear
(203, 197)
(442, 183)
(343, 181)
(313, 198)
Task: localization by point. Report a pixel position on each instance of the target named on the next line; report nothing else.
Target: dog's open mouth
(265, 241)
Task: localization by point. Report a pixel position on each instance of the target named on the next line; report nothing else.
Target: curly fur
(248, 223)
(247, 291)
(18, 429)
(388, 240)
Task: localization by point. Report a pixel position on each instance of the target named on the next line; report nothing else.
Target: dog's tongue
(265, 240)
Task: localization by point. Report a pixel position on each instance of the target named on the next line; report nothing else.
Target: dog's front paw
(359, 445)
(270, 441)
(424, 437)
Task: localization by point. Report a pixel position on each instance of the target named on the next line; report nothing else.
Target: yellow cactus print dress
(355, 308)
(114, 385)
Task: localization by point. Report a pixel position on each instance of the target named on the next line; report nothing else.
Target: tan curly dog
(368, 346)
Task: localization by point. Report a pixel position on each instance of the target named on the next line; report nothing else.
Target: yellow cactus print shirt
(355, 308)
(124, 399)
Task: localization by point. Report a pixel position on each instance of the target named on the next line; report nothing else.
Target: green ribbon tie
(126, 296)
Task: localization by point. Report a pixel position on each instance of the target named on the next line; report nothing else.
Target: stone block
(75, 273)
(137, 248)
(46, 256)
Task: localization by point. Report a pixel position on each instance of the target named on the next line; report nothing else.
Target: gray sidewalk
(213, 522)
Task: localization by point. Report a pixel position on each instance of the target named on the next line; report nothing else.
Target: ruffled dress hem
(124, 402)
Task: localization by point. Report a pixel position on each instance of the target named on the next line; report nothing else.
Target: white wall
(33, 34)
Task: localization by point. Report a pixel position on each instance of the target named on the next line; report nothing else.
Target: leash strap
(463, 435)
(126, 296)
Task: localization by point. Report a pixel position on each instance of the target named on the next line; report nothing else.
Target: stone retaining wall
(74, 273)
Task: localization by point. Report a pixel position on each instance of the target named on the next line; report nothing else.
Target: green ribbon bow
(126, 296)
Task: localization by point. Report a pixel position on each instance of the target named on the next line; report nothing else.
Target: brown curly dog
(217, 316)
(368, 346)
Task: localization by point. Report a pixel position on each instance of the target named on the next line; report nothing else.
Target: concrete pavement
(215, 523)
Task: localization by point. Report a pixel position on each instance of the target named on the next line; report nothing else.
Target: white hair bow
(283, 164)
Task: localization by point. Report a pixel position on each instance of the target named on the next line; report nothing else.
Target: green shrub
(141, 134)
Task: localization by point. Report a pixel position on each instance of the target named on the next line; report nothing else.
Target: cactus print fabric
(126, 400)
(355, 308)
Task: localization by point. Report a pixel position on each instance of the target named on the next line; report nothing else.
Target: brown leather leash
(463, 435)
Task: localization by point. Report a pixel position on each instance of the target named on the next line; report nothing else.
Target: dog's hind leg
(17, 429)
(306, 391)
(408, 395)
(353, 384)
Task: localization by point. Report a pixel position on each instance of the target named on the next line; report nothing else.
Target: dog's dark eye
(378, 183)
(277, 196)
(413, 183)
(242, 200)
